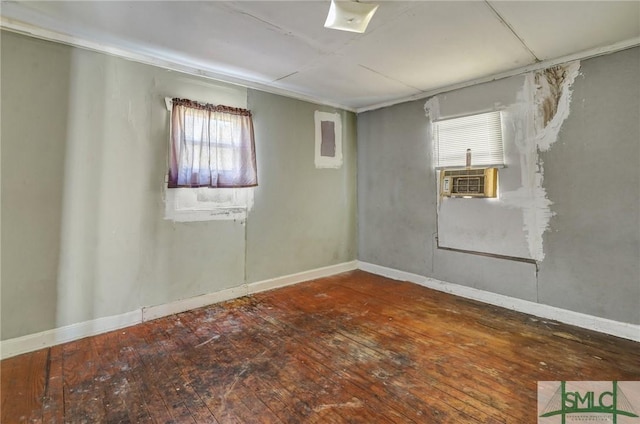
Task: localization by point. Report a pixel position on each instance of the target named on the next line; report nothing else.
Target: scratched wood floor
(354, 348)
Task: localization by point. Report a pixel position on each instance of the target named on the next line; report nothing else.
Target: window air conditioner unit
(471, 182)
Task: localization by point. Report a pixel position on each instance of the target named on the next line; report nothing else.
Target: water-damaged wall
(533, 108)
(563, 201)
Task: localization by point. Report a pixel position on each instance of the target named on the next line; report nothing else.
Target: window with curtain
(482, 133)
(211, 146)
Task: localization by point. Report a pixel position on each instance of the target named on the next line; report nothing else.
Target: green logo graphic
(612, 402)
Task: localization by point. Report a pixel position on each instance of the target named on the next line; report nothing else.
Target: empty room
(320, 211)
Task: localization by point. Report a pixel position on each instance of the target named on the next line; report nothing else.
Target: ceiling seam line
(513, 31)
(390, 78)
(286, 76)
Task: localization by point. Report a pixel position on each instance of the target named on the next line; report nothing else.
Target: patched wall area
(562, 205)
(592, 176)
(533, 108)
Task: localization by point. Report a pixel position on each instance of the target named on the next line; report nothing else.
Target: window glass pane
(225, 159)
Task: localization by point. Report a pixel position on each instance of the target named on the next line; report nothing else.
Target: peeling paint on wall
(532, 119)
(553, 97)
(432, 109)
(543, 106)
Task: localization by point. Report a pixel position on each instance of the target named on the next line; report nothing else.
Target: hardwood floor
(354, 348)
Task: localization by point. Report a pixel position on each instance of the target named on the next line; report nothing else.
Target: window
(212, 164)
(481, 133)
(211, 146)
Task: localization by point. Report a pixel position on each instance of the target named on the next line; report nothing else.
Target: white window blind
(481, 133)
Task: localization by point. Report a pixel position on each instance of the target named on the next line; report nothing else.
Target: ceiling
(410, 50)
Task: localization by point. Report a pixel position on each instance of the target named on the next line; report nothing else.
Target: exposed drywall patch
(543, 105)
(432, 109)
(536, 213)
(482, 225)
(549, 81)
(553, 97)
(328, 135)
(532, 119)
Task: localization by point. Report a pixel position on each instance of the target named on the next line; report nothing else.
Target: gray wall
(593, 245)
(592, 248)
(84, 144)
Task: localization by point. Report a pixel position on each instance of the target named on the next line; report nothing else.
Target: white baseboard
(601, 325)
(68, 333)
(288, 280)
(158, 311)
(31, 342)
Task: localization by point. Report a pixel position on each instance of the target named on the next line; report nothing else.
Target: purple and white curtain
(211, 146)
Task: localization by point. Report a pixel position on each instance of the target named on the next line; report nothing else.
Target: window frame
(193, 204)
(229, 145)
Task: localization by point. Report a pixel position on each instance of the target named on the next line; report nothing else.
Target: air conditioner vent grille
(479, 171)
(468, 185)
(477, 182)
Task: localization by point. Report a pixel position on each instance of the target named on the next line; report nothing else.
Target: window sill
(204, 204)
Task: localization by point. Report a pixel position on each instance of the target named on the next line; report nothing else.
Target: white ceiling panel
(343, 81)
(301, 19)
(558, 28)
(211, 34)
(441, 43)
(410, 47)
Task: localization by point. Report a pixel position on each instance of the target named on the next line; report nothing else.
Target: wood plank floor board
(349, 367)
(518, 341)
(353, 348)
(118, 401)
(151, 350)
(210, 364)
(365, 363)
(141, 375)
(432, 351)
(317, 385)
(130, 390)
(396, 357)
(177, 349)
(25, 382)
(337, 391)
(482, 313)
(53, 401)
(182, 347)
(9, 379)
(250, 356)
(507, 341)
(327, 393)
(276, 398)
(81, 390)
(313, 361)
(148, 375)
